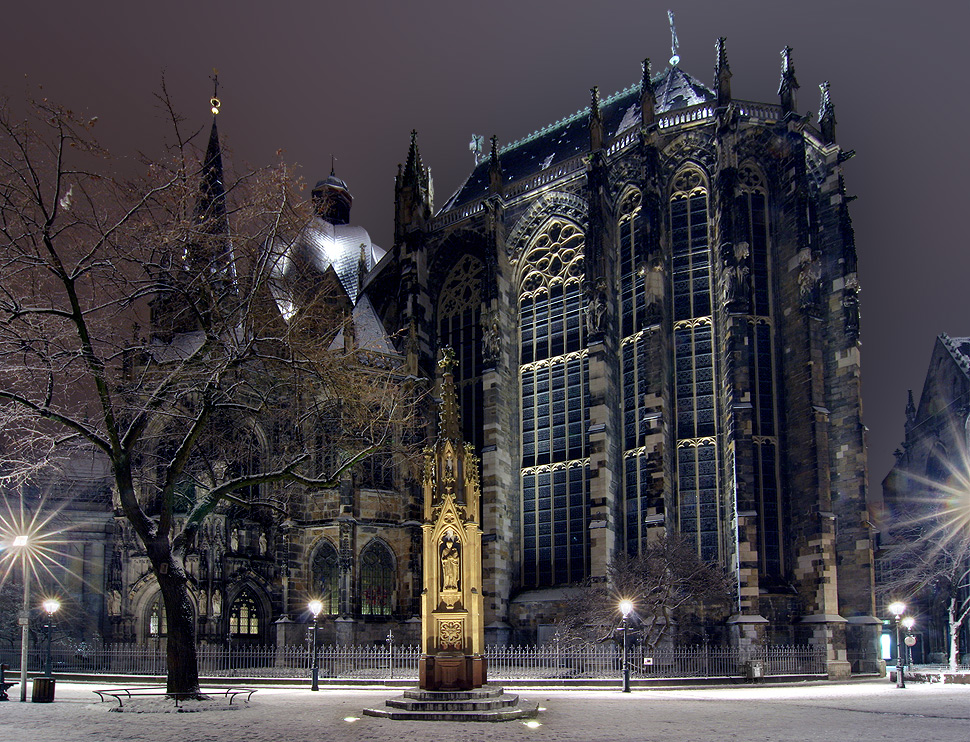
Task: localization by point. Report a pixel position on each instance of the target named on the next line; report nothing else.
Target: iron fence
(549, 661)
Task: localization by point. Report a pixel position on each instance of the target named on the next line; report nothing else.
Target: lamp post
(908, 623)
(315, 607)
(51, 606)
(898, 609)
(390, 653)
(626, 608)
(23, 619)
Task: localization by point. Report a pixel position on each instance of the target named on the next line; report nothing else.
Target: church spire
(413, 192)
(826, 114)
(722, 72)
(210, 210)
(788, 84)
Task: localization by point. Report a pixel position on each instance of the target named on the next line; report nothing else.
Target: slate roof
(673, 88)
(369, 331)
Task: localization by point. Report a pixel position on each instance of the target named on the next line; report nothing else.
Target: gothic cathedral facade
(654, 306)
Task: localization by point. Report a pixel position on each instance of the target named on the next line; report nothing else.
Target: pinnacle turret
(722, 72)
(788, 84)
(826, 114)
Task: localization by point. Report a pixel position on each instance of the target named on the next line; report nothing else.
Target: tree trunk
(954, 627)
(183, 662)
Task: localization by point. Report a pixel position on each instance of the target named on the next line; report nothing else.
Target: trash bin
(43, 690)
(754, 671)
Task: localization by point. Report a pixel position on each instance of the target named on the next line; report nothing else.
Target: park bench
(147, 691)
(4, 685)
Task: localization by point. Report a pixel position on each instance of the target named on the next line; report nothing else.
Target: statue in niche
(216, 603)
(234, 540)
(596, 308)
(114, 603)
(262, 544)
(491, 338)
(736, 275)
(450, 562)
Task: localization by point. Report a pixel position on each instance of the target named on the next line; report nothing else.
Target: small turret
(826, 114)
(332, 199)
(648, 101)
(788, 84)
(494, 168)
(722, 73)
(910, 414)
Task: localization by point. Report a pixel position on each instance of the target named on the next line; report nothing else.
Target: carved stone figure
(262, 544)
(450, 563)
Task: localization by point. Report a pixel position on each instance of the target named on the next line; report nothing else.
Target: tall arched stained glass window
(326, 578)
(752, 210)
(554, 384)
(639, 301)
(695, 402)
(460, 327)
(157, 618)
(376, 579)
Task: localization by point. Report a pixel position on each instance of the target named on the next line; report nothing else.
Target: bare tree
(137, 319)
(666, 582)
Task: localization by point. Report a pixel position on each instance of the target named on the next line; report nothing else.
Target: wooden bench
(4, 685)
(146, 691)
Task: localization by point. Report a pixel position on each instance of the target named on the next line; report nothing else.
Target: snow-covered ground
(820, 712)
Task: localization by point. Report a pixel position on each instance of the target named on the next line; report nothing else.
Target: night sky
(351, 80)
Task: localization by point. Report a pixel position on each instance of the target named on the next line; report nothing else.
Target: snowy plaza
(860, 710)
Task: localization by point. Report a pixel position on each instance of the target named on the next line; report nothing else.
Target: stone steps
(482, 704)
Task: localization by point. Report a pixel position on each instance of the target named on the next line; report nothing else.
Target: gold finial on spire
(214, 102)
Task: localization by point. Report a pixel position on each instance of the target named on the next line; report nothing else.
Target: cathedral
(654, 308)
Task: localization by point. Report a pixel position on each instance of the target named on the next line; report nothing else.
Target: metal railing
(548, 661)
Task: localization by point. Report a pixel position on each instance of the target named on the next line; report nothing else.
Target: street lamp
(315, 607)
(898, 609)
(908, 623)
(21, 542)
(51, 605)
(626, 608)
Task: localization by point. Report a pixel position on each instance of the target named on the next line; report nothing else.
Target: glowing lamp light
(626, 607)
(897, 609)
(908, 623)
(316, 607)
(51, 605)
(20, 541)
(216, 104)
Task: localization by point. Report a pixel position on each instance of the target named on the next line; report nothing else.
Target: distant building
(933, 452)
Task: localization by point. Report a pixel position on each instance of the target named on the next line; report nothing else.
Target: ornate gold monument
(452, 631)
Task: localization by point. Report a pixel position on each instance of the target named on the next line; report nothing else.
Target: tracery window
(460, 327)
(695, 401)
(376, 579)
(325, 570)
(554, 390)
(244, 616)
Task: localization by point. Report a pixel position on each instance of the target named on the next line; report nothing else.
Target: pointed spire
(413, 167)
(722, 72)
(826, 114)
(449, 400)
(674, 43)
(595, 120)
(494, 168)
(648, 101)
(788, 84)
